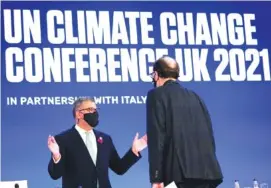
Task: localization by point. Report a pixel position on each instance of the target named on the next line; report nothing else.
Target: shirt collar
(170, 81)
(82, 131)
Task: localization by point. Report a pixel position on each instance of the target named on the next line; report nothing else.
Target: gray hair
(78, 102)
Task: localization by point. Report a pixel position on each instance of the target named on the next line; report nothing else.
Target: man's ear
(156, 76)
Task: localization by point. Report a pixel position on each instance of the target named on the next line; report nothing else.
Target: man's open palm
(52, 145)
(140, 143)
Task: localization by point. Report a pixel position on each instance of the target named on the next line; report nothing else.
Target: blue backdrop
(240, 110)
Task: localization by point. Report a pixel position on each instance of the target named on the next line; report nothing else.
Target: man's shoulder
(65, 133)
(194, 94)
(155, 92)
(102, 134)
(164, 90)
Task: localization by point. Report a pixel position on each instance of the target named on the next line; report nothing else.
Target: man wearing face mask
(180, 137)
(82, 155)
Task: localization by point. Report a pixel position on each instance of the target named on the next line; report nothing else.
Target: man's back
(189, 145)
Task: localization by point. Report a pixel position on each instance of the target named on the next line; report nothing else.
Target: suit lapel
(81, 145)
(99, 145)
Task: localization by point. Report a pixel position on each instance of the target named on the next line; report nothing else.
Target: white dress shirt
(82, 133)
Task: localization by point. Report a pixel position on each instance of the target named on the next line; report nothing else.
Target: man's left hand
(139, 144)
(158, 185)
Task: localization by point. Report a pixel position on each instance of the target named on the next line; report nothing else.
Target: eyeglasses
(152, 75)
(91, 110)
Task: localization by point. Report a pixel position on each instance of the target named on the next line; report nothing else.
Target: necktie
(90, 146)
(91, 150)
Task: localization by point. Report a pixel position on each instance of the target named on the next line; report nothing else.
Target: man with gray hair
(82, 155)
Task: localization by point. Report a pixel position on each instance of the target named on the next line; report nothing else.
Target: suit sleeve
(121, 165)
(56, 169)
(156, 136)
(208, 119)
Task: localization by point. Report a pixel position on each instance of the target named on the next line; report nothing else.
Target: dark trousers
(199, 184)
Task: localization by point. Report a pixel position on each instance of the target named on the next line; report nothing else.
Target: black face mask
(154, 83)
(92, 119)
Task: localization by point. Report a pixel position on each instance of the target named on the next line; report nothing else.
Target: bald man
(179, 129)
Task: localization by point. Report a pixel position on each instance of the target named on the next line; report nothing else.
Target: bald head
(171, 63)
(167, 67)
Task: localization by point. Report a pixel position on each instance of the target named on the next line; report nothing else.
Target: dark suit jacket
(76, 166)
(180, 136)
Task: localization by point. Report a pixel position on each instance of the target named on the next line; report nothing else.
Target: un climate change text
(117, 46)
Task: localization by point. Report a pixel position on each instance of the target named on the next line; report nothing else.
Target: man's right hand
(54, 148)
(158, 185)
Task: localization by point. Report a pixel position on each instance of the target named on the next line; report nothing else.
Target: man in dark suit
(180, 137)
(83, 155)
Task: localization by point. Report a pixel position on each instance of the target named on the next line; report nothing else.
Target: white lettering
(146, 28)
(238, 71)
(119, 32)
(52, 64)
(17, 24)
(199, 65)
(13, 56)
(236, 32)
(81, 27)
(55, 36)
(202, 30)
(237, 62)
(97, 59)
(219, 29)
(98, 29)
(70, 38)
(211, 29)
(132, 17)
(25, 26)
(184, 29)
(168, 36)
(33, 60)
(192, 64)
(12, 101)
(145, 55)
(67, 64)
(249, 29)
(81, 65)
(129, 65)
(113, 65)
